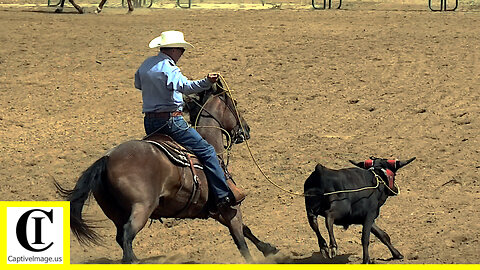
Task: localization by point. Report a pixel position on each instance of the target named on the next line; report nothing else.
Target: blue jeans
(177, 128)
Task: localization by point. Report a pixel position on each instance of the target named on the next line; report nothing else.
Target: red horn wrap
(392, 163)
(368, 163)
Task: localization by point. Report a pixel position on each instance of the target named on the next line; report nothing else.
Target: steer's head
(387, 167)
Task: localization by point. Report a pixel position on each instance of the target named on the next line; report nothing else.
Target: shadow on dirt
(151, 260)
(317, 258)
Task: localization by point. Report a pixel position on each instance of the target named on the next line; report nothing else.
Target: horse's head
(218, 105)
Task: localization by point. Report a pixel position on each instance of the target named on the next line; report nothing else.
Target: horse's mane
(194, 102)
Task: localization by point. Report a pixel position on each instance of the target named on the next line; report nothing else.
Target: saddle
(183, 157)
(177, 154)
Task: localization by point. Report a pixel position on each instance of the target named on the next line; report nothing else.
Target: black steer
(351, 196)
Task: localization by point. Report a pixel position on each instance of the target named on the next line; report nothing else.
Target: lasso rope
(229, 92)
(377, 177)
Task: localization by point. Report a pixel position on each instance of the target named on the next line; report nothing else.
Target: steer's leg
(383, 236)
(312, 220)
(367, 227)
(338, 209)
(329, 220)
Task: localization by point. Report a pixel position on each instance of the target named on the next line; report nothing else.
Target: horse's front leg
(234, 223)
(265, 248)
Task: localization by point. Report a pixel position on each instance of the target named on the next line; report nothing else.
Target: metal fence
(434, 5)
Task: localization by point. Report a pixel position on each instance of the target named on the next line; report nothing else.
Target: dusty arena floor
(315, 87)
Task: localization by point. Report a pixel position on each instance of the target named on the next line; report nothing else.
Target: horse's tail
(89, 181)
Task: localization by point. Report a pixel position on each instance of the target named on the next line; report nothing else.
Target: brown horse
(81, 10)
(136, 181)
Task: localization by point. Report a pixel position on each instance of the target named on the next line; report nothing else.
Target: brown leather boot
(238, 192)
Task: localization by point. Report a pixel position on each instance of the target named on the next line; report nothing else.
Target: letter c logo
(22, 230)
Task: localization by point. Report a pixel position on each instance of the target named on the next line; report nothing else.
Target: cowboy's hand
(212, 77)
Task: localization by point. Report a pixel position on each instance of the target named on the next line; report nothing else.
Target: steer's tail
(313, 186)
(88, 181)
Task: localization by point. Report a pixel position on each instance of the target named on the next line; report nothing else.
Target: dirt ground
(392, 81)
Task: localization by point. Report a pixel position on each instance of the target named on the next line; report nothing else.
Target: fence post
(325, 4)
(180, 5)
(443, 6)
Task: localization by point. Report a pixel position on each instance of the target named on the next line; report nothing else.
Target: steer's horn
(358, 164)
(400, 164)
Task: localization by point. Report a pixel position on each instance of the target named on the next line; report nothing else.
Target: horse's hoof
(59, 10)
(398, 256)
(268, 249)
(98, 10)
(272, 250)
(130, 261)
(81, 11)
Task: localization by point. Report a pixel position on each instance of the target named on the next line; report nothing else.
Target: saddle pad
(177, 155)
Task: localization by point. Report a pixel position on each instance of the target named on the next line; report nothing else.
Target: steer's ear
(400, 164)
(358, 164)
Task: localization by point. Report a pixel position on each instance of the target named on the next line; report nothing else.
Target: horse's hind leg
(264, 247)
(135, 223)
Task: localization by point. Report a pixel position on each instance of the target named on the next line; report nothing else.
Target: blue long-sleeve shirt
(162, 84)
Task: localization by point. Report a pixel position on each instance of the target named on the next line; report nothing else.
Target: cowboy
(162, 85)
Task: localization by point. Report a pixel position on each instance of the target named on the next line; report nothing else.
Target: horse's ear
(219, 83)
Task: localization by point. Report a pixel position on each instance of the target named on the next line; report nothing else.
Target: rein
(234, 111)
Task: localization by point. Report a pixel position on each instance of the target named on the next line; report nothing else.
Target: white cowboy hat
(170, 39)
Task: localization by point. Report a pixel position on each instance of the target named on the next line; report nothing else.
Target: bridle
(236, 134)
